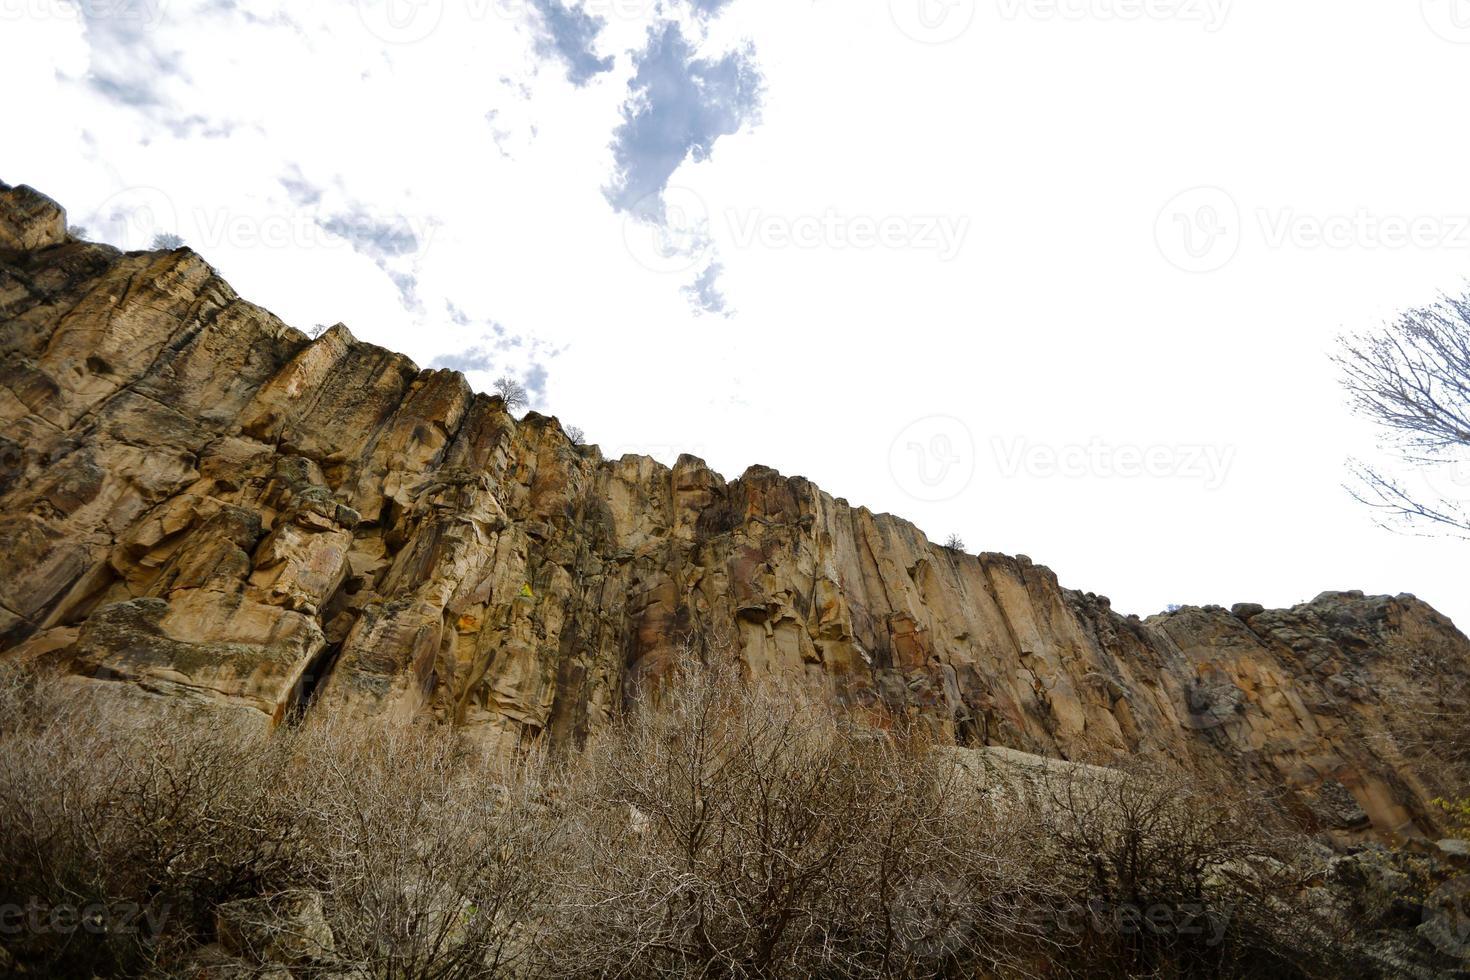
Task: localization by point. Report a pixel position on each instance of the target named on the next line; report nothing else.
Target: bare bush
(721, 829)
(426, 862)
(1431, 699)
(726, 831)
(429, 859)
(1170, 873)
(122, 835)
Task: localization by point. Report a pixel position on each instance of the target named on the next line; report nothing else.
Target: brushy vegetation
(719, 831)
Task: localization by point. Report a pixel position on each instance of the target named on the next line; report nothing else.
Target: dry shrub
(429, 858)
(425, 861)
(1167, 873)
(1430, 714)
(721, 830)
(122, 834)
(735, 832)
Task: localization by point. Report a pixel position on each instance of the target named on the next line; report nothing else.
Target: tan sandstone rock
(200, 504)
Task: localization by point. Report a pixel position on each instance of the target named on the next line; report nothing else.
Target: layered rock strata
(200, 505)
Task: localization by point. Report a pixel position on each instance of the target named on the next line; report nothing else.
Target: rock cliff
(201, 505)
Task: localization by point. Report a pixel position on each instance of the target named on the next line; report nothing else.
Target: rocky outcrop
(202, 505)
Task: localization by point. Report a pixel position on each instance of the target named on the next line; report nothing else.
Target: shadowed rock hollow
(200, 504)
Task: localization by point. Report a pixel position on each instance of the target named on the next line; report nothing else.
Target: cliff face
(201, 505)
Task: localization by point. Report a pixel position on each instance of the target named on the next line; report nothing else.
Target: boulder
(287, 928)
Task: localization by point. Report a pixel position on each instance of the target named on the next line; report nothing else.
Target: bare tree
(1413, 380)
(512, 392)
(166, 241)
(954, 543)
(575, 435)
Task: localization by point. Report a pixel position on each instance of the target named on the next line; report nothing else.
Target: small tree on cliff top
(512, 392)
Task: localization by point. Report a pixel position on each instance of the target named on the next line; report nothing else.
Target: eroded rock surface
(199, 503)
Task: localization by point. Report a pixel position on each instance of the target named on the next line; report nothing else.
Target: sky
(1061, 277)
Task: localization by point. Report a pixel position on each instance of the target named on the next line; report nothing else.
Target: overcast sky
(1059, 276)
